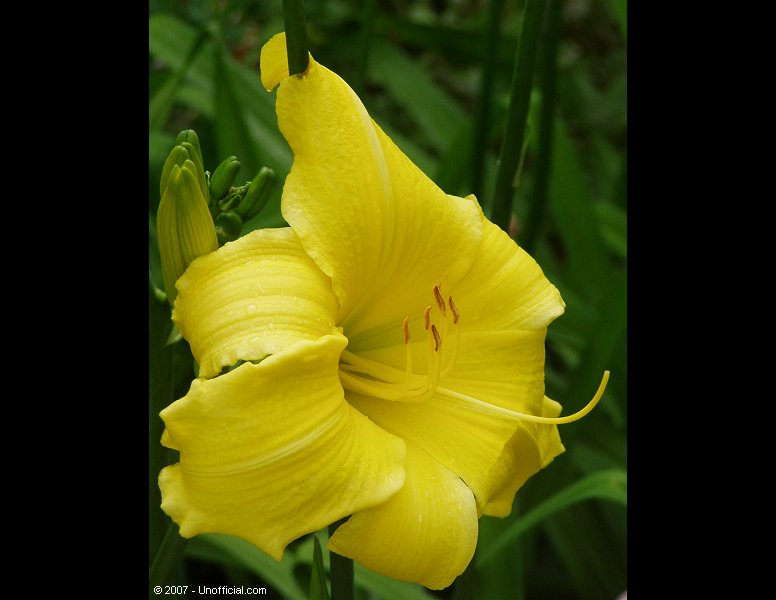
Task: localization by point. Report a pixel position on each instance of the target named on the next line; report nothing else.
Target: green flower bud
(228, 227)
(257, 195)
(177, 156)
(199, 170)
(184, 227)
(190, 136)
(223, 178)
(180, 153)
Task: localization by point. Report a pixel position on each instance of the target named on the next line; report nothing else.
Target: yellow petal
(274, 61)
(505, 288)
(532, 448)
(504, 369)
(370, 219)
(253, 297)
(272, 451)
(426, 533)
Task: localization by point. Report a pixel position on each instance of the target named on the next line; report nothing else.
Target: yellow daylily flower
(393, 340)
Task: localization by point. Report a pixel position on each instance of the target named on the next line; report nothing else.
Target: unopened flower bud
(184, 227)
(257, 195)
(223, 178)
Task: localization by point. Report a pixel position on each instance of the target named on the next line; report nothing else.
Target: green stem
(517, 113)
(341, 571)
(537, 209)
(167, 559)
(482, 126)
(296, 36)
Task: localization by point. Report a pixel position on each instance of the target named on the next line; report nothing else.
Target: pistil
(372, 378)
(486, 408)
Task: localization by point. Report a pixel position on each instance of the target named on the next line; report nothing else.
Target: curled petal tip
(274, 62)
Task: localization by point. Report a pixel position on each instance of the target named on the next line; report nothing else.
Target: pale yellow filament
(369, 377)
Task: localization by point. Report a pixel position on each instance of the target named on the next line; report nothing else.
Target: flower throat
(372, 378)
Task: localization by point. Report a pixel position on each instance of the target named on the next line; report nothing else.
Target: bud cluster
(199, 212)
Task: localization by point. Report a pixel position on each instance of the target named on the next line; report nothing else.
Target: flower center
(371, 378)
(365, 376)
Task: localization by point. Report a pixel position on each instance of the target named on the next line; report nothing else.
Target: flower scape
(381, 357)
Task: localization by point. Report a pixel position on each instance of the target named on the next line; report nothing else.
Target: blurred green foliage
(418, 66)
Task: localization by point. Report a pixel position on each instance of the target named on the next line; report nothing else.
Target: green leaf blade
(605, 485)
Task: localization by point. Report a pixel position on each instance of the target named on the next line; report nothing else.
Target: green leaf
(606, 485)
(232, 135)
(387, 588)
(169, 372)
(590, 553)
(162, 101)
(592, 458)
(167, 558)
(433, 110)
(379, 586)
(614, 227)
(459, 43)
(586, 267)
(513, 144)
(318, 590)
(227, 549)
(453, 173)
(503, 575)
(609, 328)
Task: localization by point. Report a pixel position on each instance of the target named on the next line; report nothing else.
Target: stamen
(370, 377)
(439, 300)
(453, 310)
(375, 370)
(485, 407)
(437, 339)
(375, 388)
(454, 352)
(408, 350)
(434, 363)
